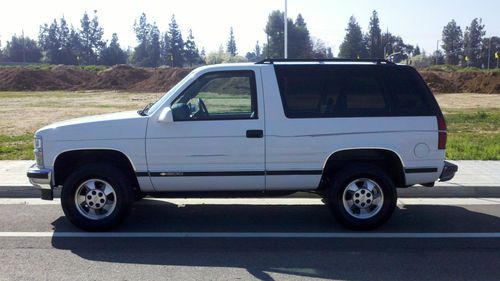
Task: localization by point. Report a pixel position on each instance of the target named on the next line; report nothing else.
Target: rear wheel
(361, 197)
(96, 197)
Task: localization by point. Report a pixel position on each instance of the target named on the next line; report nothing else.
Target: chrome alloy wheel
(95, 199)
(363, 198)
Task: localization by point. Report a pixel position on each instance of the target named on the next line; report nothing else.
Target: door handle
(255, 134)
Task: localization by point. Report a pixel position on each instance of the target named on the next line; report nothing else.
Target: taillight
(442, 132)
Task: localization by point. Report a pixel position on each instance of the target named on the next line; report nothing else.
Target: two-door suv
(351, 131)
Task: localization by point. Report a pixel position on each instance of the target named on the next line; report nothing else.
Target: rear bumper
(448, 172)
(42, 179)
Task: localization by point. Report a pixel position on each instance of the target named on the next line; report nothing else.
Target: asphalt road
(253, 239)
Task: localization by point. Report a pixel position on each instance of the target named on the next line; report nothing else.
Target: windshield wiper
(144, 111)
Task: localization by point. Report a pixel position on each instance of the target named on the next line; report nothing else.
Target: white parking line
(395, 235)
(268, 201)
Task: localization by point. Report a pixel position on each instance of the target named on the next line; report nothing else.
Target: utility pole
(489, 53)
(286, 29)
(24, 48)
(437, 51)
(386, 42)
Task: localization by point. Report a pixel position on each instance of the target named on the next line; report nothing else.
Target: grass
(473, 134)
(223, 103)
(16, 147)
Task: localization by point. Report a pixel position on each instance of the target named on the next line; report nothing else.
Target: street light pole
(437, 51)
(286, 30)
(489, 53)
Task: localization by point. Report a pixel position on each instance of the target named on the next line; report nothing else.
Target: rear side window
(410, 97)
(301, 90)
(364, 94)
(331, 91)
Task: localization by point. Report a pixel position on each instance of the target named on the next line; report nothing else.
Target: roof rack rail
(377, 61)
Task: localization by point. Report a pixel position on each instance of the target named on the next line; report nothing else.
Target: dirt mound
(57, 78)
(71, 76)
(128, 78)
(462, 82)
(161, 80)
(65, 77)
(120, 77)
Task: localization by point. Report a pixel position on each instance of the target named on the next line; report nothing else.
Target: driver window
(224, 95)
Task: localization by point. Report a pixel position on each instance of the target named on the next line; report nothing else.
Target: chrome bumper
(41, 179)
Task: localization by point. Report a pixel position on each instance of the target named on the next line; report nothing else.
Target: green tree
(320, 51)
(153, 48)
(374, 38)
(142, 30)
(395, 47)
(491, 44)
(113, 54)
(22, 49)
(231, 44)
(165, 56)
(275, 35)
(191, 53)
(256, 55)
(353, 45)
(257, 50)
(438, 57)
(452, 42)
(299, 40)
(59, 43)
(91, 39)
(1, 51)
(473, 41)
(416, 51)
(329, 53)
(223, 57)
(49, 41)
(176, 43)
(203, 54)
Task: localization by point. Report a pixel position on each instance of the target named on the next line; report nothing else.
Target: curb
(412, 192)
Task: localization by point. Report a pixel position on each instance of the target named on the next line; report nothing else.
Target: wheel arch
(67, 160)
(387, 159)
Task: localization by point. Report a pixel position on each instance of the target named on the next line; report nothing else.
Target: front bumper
(42, 179)
(449, 171)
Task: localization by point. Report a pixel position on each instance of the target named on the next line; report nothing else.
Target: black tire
(335, 196)
(108, 173)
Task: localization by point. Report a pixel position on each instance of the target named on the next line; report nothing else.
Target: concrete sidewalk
(474, 179)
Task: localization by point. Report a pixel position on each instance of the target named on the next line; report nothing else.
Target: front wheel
(96, 197)
(362, 197)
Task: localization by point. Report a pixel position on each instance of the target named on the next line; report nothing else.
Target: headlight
(38, 151)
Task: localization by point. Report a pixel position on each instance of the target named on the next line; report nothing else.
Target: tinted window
(218, 96)
(409, 94)
(301, 89)
(331, 91)
(364, 95)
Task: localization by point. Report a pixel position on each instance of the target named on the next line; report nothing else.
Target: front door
(216, 140)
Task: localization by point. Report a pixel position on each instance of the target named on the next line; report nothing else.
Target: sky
(418, 22)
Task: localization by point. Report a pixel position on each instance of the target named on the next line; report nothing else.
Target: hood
(119, 125)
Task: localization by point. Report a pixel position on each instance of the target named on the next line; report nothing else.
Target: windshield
(153, 107)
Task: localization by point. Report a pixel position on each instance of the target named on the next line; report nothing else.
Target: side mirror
(166, 116)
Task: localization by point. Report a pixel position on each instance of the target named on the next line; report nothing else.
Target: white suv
(351, 131)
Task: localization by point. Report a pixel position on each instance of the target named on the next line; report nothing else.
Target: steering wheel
(202, 112)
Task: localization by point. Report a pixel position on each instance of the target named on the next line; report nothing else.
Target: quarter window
(409, 95)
